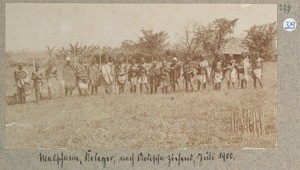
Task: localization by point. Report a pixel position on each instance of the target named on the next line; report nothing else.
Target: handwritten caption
(170, 160)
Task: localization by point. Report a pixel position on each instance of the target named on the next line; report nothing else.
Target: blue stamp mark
(289, 24)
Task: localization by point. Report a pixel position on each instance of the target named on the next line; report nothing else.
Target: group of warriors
(87, 78)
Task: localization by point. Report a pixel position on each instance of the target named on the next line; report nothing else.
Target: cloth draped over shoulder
(51, 75)
(175, 72)
(69, 77)
(94, 73)
(108, 74)
(154, 76)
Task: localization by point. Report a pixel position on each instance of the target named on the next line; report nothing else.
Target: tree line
(195, 39)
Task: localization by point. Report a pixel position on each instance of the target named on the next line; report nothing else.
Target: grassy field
(172, 121)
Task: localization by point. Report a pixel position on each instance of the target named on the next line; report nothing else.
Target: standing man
(108, 74)
(69, 77)
(82, 77)
(52, 79)
(244, 71)
(133, 75)
(257, 70)
(142, 76)
(121, 70)
(174, 74)
(188, 74)
(217, 69)
(37, 77)
(165, 77)
(154, 75)
(94, 74)
(22, 81)
(202, 72)
(231, 73)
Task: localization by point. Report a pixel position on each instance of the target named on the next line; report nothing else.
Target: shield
(69, 78)
(108, 74)
(44, 90)
(53, 85)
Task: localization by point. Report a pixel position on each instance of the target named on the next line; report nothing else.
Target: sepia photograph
(140, 76)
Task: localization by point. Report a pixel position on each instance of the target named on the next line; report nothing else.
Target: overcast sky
(34, 26)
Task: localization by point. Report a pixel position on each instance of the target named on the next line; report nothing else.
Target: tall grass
(175, 120)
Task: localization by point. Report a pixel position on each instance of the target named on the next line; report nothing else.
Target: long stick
(242, 121)
(254, 122)
(248, 117)
(232, 128)
(237, 123)
(234, 122)
(263, 122)
(258, 124)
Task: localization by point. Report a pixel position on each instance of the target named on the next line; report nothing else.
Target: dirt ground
(162, 121)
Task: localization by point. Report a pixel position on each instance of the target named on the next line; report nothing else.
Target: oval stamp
(289, 24)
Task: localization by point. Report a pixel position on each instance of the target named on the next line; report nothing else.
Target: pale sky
(34, 26)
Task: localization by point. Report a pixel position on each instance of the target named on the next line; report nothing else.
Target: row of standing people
(237, 73)
(88, 78)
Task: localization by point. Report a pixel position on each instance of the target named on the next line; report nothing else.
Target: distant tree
(261, 39)
(129, 49)
(152, 44)
(191, 37)
(218, 32)
(199, 39)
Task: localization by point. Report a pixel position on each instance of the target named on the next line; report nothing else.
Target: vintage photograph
(140, 76)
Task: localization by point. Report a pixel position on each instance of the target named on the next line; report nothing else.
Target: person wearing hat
(202, 73)
(37, 77)
(174, 74)
(188, 74)
(154, 77)
(22, 81)
(121, 71)
(142, 75)
(69, 77)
